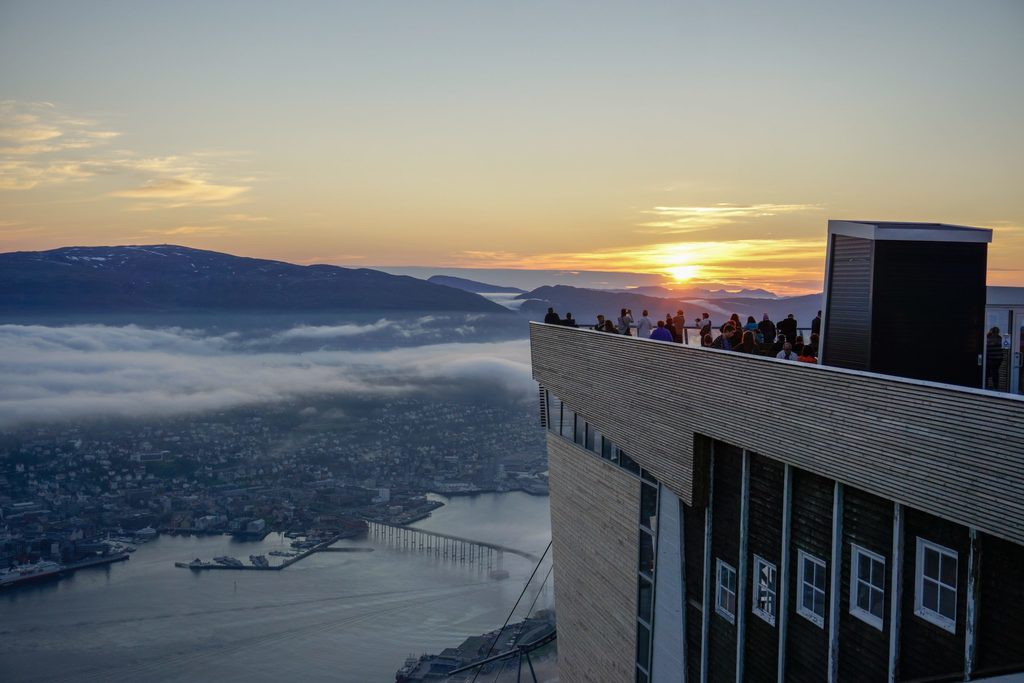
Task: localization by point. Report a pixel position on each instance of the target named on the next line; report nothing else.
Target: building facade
(719, 516)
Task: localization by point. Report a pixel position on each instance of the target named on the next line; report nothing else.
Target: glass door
(998, 337)
(1017, 351)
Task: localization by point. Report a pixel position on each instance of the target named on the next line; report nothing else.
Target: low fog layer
(81, 371)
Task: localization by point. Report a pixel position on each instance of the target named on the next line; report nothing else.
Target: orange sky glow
(697, 142)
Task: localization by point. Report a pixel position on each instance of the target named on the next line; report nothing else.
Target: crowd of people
(780, 339)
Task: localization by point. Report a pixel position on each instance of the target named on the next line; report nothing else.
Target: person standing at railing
(670, 325)
(600, 323)
(625, 321)
(787, 326)
(552, 318)
(644, 326)
(679, 326)
(993, 357)
(661, 333)
(767, 329)
(569, 321)
(705, 324)
(816, 324)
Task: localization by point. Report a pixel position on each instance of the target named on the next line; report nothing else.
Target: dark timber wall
(1001, 614)
(864, 650)
(848, 317)
(953, 452)
(595, 508)
(925, 649)
(917, 284)
(811, 531)
(764, 533)
(725, 546)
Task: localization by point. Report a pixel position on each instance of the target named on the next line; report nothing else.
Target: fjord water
(332, 616)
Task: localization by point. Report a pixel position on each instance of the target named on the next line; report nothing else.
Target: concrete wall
(668, 664)
(595, 511)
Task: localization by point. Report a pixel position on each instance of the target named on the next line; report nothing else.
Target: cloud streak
(675, 220)
(40, 147)
(83, 371)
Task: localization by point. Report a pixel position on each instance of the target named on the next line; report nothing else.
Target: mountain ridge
(173, 278)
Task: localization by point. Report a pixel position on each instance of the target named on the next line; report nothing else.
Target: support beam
(705, 617)
(682, 581)
(835, 581)
(896, 592)
(741, 592)
(973, 585)
(783, 586)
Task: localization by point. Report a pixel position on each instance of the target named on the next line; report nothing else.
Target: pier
(287, 562)
(446, 546)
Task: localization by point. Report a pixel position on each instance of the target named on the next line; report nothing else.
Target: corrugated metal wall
(848, 316)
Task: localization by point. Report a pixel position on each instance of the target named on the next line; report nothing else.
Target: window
(581, 431)
(646, 553)
(765, 594)
(867, 585)
(554, 413)
(935, 594)
(810, 583)
(627, 463)
(645, 600)
(607, 449)
(593, 439)
(643, 646)
(568, 418)
(725, 595)
(648, 506)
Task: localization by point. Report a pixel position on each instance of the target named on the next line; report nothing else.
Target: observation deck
(954, 452)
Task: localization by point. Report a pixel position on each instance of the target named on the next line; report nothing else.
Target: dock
(325, 546)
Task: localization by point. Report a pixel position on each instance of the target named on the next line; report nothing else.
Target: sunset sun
(683, 273)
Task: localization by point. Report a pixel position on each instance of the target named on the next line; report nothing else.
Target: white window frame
(809, 614)
(756, 592)
(926, 613)
(724, 613)
(855, 579)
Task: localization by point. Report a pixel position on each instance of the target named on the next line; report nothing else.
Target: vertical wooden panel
(926, 649)
(864, 650)
(725, 536)
(811, 531)
(999, 606)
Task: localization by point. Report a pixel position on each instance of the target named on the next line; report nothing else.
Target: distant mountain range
(585, 304)
(168, 278)
(472, 285)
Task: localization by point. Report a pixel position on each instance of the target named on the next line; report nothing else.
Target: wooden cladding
(955, 453)
(594, 511)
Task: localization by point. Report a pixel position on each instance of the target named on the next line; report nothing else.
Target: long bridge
(454, 548)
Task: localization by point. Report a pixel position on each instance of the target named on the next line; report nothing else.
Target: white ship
(23, 573)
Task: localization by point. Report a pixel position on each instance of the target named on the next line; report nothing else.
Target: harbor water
(331, 617)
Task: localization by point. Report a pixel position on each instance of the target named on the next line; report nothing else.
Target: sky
(698, 141)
